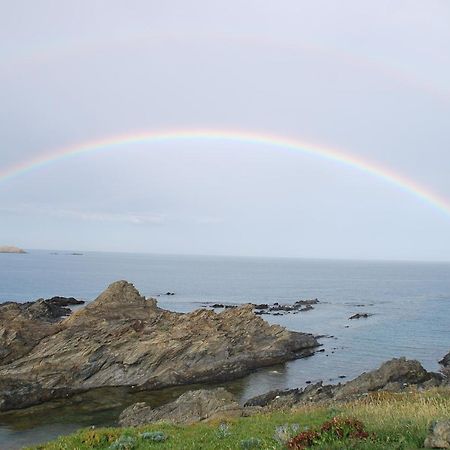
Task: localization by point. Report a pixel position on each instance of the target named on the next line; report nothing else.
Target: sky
(369, 78)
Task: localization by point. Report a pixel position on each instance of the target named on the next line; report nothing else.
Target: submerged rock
(124, 339)
(192, 406)
(360, 316)
(274, 309)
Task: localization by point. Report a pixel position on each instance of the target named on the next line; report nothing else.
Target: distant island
(11, 249)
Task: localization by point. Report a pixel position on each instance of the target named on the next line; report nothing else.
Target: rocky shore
(396, 375)
(124, 339)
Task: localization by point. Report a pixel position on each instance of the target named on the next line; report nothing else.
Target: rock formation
(11, 249)
(124, 339)
(23, 325)
(192, 406)
(445, 361)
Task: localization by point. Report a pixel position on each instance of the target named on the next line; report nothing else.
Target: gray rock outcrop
(124, 339)
(445, 361)
(394, 375)
(23, 325)
(192, 406)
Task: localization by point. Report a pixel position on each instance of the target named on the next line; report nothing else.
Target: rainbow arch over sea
(232, 136)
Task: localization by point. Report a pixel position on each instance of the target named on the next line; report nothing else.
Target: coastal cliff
(124, 339)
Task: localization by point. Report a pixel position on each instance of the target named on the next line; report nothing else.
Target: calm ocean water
(410, 302)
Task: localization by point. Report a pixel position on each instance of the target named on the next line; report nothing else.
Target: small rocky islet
(11, 249)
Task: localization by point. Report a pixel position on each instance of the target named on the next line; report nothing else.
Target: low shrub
(338, 428)
(250, 443)
(223, 431)
(155, 436)
(285, 432)
(123, 443)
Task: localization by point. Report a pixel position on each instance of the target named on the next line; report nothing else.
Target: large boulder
(192, 406)
(393, 375)
(439, 435)
(124, 339)
(445, 361)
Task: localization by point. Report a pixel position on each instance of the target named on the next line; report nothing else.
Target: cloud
(207, 220)
(85, 215)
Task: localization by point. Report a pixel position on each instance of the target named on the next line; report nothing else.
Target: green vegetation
(378, 422)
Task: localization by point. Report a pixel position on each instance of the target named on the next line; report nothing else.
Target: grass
(394, 421)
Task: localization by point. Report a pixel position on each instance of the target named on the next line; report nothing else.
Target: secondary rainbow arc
(154, 137)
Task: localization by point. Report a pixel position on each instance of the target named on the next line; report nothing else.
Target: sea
(409, 303)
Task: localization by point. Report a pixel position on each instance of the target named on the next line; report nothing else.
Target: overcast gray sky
(372, 78)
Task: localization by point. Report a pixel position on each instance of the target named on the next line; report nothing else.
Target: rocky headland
(124, 339)
(11, 249)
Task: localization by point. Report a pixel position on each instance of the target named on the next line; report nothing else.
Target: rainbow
(56, 49)
(155, 137)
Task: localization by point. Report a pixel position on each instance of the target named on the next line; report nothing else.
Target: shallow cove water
(410, 303)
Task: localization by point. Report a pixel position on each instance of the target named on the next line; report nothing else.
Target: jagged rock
(394, 375)
(192, 406)
(360, 316)
(23, 325)
(267, 398)
(313, 301)
(282, 399)
(65, 301)
(124, 339)
(439, 435)
(276, 309)
(445, 361)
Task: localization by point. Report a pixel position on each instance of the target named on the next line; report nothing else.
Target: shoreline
(282, 376)
(271, 403)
